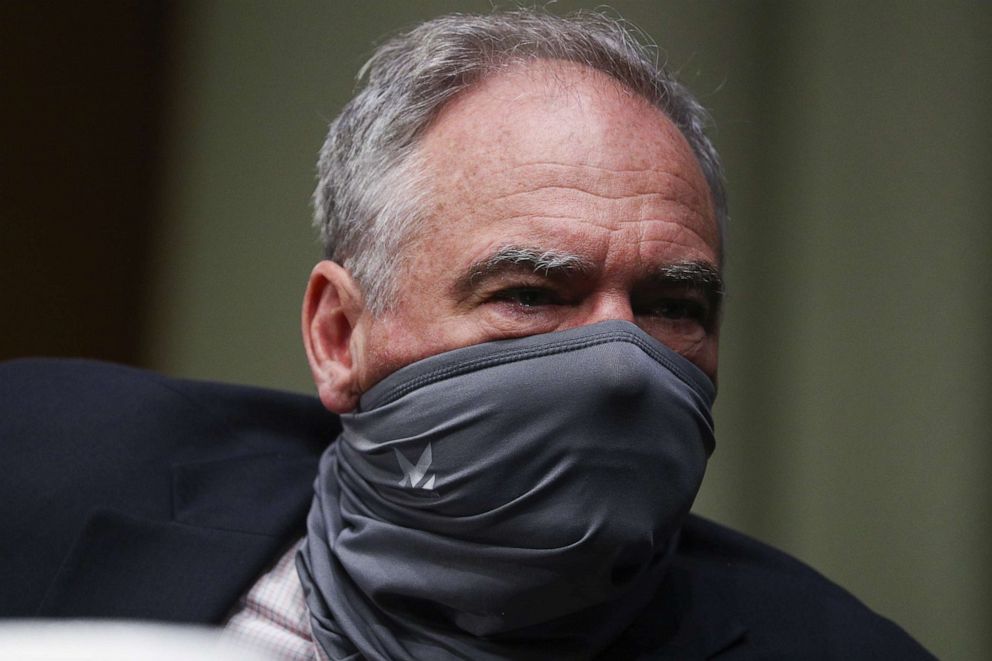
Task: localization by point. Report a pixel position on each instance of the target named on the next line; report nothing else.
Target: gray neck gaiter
(515, 499)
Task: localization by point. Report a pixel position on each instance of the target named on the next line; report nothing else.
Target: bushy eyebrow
(516, 259)
(544, 262)
(696, 275)
(690, 274)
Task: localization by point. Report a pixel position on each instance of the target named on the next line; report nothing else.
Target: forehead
(561, 149)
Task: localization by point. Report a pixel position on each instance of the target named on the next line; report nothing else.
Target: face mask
(518, 498)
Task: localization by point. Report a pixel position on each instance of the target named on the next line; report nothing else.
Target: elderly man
(517, 324)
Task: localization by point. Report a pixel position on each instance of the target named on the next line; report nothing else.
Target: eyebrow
(696, 275)
(689, 274)
(512, 258)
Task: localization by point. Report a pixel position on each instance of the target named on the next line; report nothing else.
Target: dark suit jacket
(128, 494)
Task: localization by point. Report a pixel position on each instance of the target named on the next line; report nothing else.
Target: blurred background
(158, 159)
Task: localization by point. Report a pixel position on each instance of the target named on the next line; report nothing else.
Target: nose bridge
(611, 305)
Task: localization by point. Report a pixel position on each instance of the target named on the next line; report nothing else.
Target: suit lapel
(231, 518)
(266, 494)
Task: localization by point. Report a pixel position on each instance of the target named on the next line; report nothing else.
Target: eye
(677, 310)
(527, 297)
(680, 309)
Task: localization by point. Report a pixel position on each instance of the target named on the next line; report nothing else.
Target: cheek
(397, 340)
(387, 346)
(707, 357)
(700, 348)
(500, 321)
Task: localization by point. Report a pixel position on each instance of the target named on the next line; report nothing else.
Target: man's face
(557, 199)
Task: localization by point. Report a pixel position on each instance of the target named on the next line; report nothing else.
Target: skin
(551, 157)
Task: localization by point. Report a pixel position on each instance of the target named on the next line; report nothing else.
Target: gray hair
(369, 195)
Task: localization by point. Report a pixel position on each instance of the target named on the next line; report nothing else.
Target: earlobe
(332, 307)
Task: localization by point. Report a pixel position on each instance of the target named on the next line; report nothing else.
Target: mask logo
(416, 477)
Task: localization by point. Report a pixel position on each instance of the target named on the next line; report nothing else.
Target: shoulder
(788, 609)
(102, 408)
(90, 424)
(80, 436)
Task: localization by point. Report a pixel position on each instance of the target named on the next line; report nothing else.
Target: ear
(332, 307)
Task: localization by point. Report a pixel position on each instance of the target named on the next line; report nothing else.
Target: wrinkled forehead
(563, 123)
(559, 99)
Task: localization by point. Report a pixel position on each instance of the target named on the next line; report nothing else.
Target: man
(517, 324)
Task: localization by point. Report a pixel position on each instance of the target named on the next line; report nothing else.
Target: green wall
(853, 412)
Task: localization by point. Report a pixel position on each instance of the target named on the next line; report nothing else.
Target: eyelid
(671, 300)
(541, 289)
(698, 310)
(519, 281)
(675, 293)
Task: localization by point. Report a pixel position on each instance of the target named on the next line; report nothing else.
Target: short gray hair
(368, 197)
